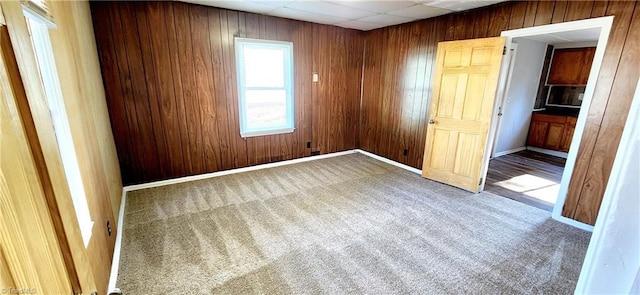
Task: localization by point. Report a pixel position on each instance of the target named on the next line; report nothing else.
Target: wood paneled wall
(169, 73)
(399, 68)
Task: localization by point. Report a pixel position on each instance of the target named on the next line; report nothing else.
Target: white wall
(521, 95)
(612, 262)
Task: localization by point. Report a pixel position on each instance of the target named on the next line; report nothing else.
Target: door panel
(30, 255)
(460, 113)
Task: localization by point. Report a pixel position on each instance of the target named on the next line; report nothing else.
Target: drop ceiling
(353, 14)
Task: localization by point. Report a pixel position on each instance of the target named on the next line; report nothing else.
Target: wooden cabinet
(552, 132)
(571, 66)
(567, 136)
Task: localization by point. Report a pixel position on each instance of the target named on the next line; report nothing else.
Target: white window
(265, 86)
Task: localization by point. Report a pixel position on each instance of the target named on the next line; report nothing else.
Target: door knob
(432, 121)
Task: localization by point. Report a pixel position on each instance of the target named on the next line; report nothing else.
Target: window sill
(266, 132)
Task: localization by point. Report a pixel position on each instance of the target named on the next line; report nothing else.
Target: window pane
(266, 108)
(264, 67)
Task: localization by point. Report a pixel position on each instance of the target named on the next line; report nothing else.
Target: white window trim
(51, 83)
(289, 88)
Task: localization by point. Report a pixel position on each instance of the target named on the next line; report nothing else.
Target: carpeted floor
(342, 225)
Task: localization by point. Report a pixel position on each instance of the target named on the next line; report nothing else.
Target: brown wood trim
(38, 157)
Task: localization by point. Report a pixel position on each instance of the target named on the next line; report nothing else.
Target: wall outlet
(580, 96)
(315, 77)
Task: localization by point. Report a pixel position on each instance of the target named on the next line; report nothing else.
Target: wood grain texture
(170, 78)
(30, 246)
(613, 121)
(610, 80)
(614, 79)
(82, 88)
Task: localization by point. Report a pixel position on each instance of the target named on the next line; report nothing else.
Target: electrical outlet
(308, 144)
(406, 152)
(315, 77)
(108, 228)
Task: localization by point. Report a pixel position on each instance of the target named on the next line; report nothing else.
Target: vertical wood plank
(499, 20)
(599, 8)
(611, 127)
(530, 16)
(137, 98)
(179, 98)
(559, 11)
(518, 11)
(160, 80)
(190, 94)
(623, 11)
(544, 13)
(577, 10)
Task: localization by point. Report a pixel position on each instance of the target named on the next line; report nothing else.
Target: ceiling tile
(238, 5)
(360, 25)
(279, 3)
(363, 13)
(385, 19)
(458, 5)
(419, 12)
(376, 6)
(329, 8)
(307, 16)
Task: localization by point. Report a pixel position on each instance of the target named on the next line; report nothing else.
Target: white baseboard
(115, 263)
(572, 222)
(388, 161)
(511, 151)
(548, 152)
(234, 171)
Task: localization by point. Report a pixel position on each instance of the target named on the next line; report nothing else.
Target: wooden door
(30, 257)
(464, 91)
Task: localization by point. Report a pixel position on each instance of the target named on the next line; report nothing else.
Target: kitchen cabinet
(567, 136)
(552, 132)
(571, 66)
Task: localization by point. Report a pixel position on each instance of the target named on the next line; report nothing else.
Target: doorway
(518, 167)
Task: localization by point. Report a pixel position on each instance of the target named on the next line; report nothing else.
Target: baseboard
(115, 263)
(572, 222)
(511, 151)
(234, 171)
(392, 162)
(548, 152)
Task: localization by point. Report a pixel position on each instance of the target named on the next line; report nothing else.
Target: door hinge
(480, 182)
(504, 50)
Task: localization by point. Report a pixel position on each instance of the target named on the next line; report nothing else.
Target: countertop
(559, 111)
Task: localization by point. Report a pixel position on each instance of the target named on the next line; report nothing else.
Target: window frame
(287, 48)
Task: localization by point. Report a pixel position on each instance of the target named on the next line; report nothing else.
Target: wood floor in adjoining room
(528, 177)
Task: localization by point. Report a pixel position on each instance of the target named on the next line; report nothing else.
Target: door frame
(509, 59)
(604, 24)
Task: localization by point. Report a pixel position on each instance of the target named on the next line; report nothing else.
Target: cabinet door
(554, 136)
(586, 65)
(537, 133)
(569, 128)
(571, 66)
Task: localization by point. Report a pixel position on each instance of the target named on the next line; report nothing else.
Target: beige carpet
(349, 224)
